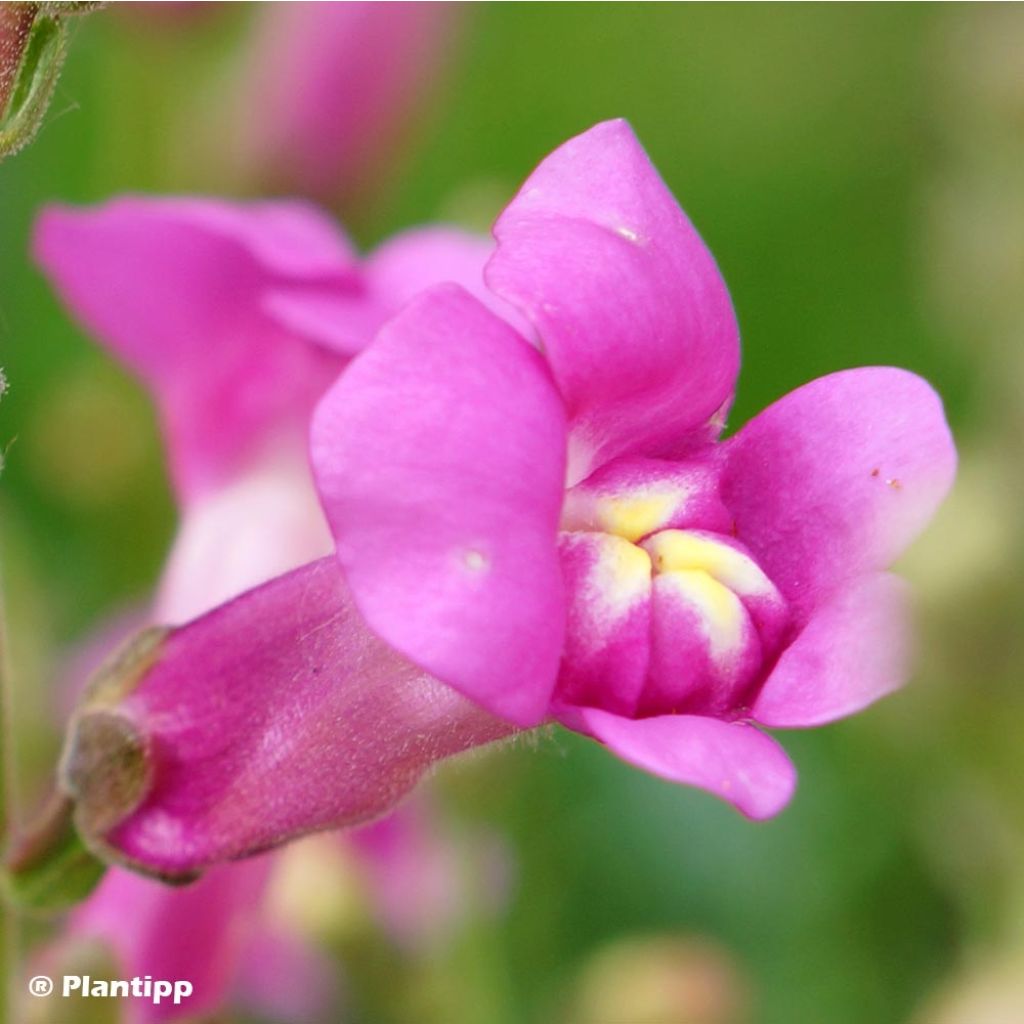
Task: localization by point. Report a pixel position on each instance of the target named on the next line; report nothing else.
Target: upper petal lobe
(628, 303)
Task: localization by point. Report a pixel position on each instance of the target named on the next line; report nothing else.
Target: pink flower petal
(195, 933)
(415, 260)
(413, 871)
(608, 628)
(440, 459)
(633, 498)
(274, 715)
(852, 651)
(630, 307)
(428, 877)
(328, 89)
(340, 321)
(174, 287)
(729, 759)
(288, 237)
(838, 477)
(399, 270)
(286, 979)
(704, 647)
(263, 522)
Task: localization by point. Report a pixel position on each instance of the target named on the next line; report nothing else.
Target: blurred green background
(857, 171)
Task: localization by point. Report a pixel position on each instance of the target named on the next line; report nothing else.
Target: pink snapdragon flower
(328, 91)
(536, 521)
(218, 308)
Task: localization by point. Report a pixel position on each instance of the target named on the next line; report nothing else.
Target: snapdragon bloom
(201, 299)
(535, 520)
(328, 92)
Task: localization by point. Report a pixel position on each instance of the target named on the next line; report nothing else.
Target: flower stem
(10, 932)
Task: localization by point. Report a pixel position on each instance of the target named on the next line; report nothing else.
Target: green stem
(10, 953)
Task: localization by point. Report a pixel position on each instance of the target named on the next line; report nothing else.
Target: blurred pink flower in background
(421, 892)
(199, 932)
(283, 979)
(219, 309)
(327, 92)
(534, 520)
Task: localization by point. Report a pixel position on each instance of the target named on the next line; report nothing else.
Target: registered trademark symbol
(40, 985)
